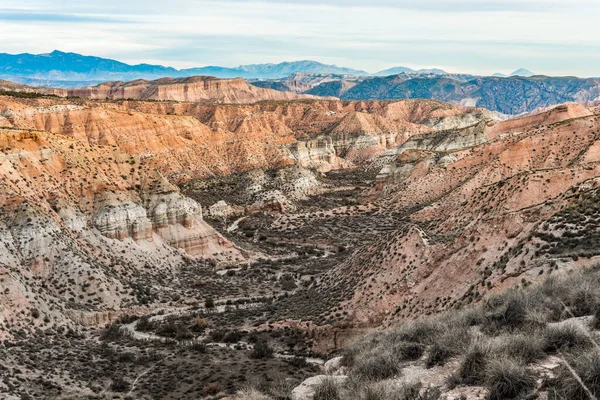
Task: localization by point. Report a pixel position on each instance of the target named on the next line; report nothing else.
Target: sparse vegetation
(495, 343)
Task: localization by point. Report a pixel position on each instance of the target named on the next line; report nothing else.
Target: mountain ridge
(66, 69)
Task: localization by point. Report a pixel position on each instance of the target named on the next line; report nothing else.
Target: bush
(145, 325)
(327, 390)
(174, 331)
(438, 354)
(199, 324)
(209, 304)
(596, 320)
(508, 379)
(527, 348)
(408, 351)
(298, 362)
(119, 385)
(233, 336)
(472, 367)
(377, 364)
(261, 350)
(213, 388)
(115, 333)
(424, 332)
(407, 391)
(251, 394)
(454, 341)
(506, 312)
(198, 347)
(587, 367)
(564, 337)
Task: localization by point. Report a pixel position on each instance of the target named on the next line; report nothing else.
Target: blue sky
(557, 37)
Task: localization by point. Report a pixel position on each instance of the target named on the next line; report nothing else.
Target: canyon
(160, 220)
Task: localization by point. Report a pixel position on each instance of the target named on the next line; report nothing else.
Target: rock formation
(195, 89)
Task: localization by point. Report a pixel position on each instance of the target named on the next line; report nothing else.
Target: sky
(553, 37)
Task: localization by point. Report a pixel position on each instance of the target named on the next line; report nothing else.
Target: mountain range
(61, 69)
(509, 95)
(70, 69)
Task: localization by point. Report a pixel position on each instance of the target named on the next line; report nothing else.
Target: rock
(335, 367)
(196, 89)
(306, 390)
(220, 210)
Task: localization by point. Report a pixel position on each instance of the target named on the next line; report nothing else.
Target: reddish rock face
(195, 89)
(478, 228)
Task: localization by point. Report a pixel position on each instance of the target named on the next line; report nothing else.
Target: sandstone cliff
(194, 89)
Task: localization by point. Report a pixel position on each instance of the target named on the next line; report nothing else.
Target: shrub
(209, 304)
(587, 367)
(298, 362)
(251, 394)
(115, 333)
(119, 385)
(454, 341)
(174, 331)
(327, 390)
(378, 364)
(199, 324)
(374, 391)
(261, 350)
(596, 320)
(233, 336)
(583, 298)
(198, 347)
(472, 367)
(144, 324)
(506, 312)
(409, 391)
(213, 388)
(424, 332)
(564, 337)
(408, 350)
(527, 348)
(438, 354)
(508, 379)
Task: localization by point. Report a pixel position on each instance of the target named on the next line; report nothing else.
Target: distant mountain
(66, 69)
(273, 71)
(522, 72)
(513, 95)
(394, 71)
(59, 66)
(405, 70)
(500, 75)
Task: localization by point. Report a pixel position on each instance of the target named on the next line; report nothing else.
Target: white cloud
(469, 35)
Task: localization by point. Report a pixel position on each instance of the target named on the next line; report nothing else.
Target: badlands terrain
(158, 241)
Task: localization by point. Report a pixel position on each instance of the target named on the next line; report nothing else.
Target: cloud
(28, 16)
(471, 36)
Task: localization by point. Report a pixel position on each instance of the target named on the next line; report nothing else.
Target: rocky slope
(302, 82)
(511, 95)
(88, 228)
(195, 89)
(90, 221)
(483, 206)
